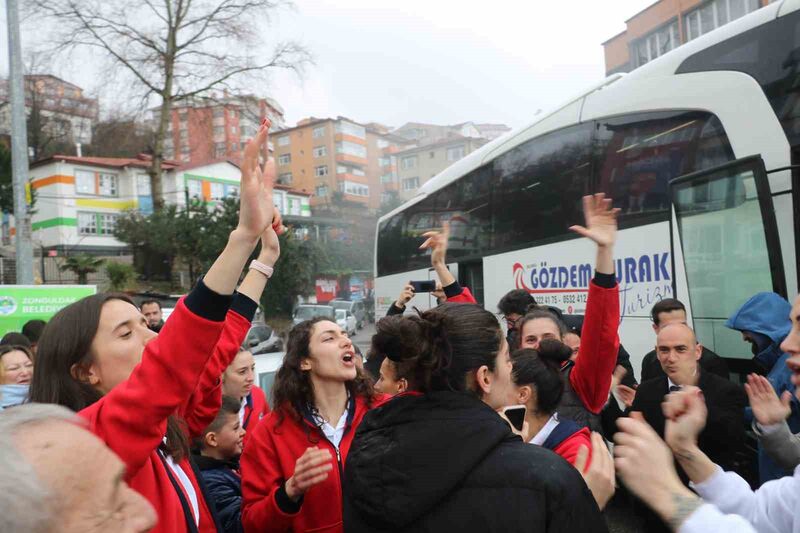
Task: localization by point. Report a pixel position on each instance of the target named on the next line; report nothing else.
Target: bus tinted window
(400, 236)
(466, 204)
(537, 188)
(637, 155)
(769, 53)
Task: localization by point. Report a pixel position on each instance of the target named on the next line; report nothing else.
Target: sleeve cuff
(285, 504)
(714, 484)
(606, 281)
(244, 306)
(453, 290)
(207, 304)
(395, 310)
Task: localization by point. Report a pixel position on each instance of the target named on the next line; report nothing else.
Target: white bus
(695, 147)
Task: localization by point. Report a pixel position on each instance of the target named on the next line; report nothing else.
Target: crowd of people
(116, 420)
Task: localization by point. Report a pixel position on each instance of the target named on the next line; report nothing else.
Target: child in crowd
(220, 447)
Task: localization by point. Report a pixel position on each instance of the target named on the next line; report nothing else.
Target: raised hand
(405, 295)
(601, 220)
(270, 245)
(256, 210)
(600, 476)
(685, 413)
(310, 469)
(767, 407)
(436, 241)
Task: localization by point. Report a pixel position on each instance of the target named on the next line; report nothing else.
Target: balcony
(352, 177)
(352, 159)
(339, 137)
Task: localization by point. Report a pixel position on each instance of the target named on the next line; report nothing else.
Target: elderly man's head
(58, 477)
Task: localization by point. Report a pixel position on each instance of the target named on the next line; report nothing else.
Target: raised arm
(591, 377)
(437, 241)
(132, 418)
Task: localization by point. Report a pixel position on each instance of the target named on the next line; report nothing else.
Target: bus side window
(537, 188)
(637, 155)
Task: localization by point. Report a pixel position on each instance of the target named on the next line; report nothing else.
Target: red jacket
(255, 409)
(568, 449)
(269, 460)
(591, 376)
(455, 293)
(202, 407)
(132, 418)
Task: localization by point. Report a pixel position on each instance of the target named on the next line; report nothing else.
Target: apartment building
(422, 133)
(67, 114)
(418, 164)
(79, 199)
(202, 130)
(667, 24)
(336, 159)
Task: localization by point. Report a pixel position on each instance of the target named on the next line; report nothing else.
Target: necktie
(675, 388)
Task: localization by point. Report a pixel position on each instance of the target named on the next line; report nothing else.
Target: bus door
(726, 249)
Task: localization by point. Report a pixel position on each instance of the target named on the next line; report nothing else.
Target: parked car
(267, 364)
(357, 308)
(262, 339)
(308, 311)
(346, 321)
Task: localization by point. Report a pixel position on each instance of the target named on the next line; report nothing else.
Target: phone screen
(424, 286)
(515, 415)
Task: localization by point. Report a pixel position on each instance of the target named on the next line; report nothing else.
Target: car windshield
(341, 305)
(310, 311)
(341, 314)
(258, 334)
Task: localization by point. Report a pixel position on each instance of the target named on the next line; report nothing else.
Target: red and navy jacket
(567, 438)
(269, 460)
(255, 408)
(132, 418)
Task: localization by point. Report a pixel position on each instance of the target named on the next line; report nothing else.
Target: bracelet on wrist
(258, 266)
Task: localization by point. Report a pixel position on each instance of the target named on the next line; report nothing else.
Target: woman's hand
(601, 220)
(437, 242)
(310, 469)
(600, 476)
(767, 407)
(256, 211)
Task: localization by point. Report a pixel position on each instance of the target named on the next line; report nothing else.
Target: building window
(455, 153)
(322, 190)
(384, 161)
(285, 178)
(184, 134)
(107, 224)
(284, 159)
(353, 149)
(283, 140)
(84, 182)
(231, 190)
(318, 132)
(382, 143)
(354, 189)
(185, 156)
(219, 150)
(387, 178)
(410, 184)
(234, 147)
(143, 185)
(714, 14)
(217, 190)
(348, 128)
(321, 171)
(219, 131)
(408, 162)
(656, 43)
(219, 112)
(107, 185)
(320, 151)
(87, 223)
(195, 188)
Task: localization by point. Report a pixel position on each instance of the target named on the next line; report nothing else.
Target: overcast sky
(438, 61)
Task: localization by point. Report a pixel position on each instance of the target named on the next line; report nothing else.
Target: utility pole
(19, 149)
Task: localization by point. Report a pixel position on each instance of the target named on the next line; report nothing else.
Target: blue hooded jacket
(767, 315)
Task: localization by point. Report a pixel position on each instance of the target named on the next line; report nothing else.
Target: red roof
(142, 161)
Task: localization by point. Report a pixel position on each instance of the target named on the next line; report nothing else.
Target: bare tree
(173, 49)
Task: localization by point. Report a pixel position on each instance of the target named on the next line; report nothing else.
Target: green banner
(20, 303)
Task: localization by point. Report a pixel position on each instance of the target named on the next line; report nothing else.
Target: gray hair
(25, 504)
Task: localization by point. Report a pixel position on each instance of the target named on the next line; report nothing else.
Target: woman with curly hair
(293, 463)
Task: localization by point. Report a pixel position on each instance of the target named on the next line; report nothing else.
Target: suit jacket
(724, 434)
(709, 361)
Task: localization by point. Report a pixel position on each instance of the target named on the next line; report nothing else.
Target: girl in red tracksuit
(98, 357)
(538, 386)
(238, 382)
(292, 466)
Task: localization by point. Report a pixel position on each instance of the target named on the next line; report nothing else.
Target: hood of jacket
(765, 313)
(205, 463)
(415, 450)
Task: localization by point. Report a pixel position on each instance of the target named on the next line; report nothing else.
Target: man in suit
(678, 354)
(670, 311)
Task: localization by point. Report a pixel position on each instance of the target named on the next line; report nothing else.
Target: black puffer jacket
(447, 462)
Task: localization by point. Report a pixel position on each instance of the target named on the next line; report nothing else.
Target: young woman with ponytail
(292, 464)
(538, 386)
(136, 388)
(441, 458)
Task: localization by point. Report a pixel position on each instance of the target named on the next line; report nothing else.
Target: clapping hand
(768, 409)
